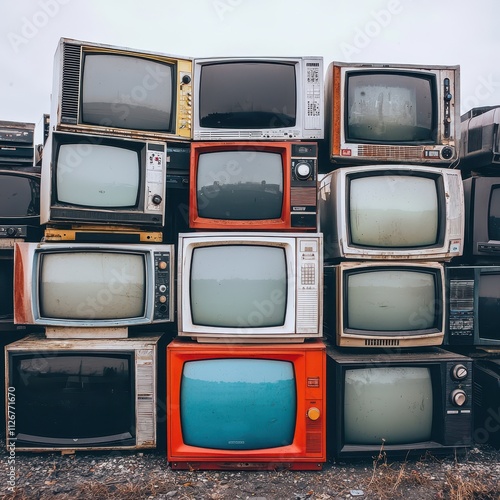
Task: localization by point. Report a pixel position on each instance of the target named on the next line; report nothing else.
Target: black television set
(400, 402)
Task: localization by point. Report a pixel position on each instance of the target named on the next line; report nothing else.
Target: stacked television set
(246, 375)
(392, 216)
(473, 310)
(99, 286)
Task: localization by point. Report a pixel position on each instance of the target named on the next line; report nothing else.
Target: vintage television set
(385, 304)
(482, 218)
(473, 306)
(258, 98)
(392, 212)
(20, 203)
(118, 91)
(99, 394)
(486, 397)
(480, 142)
(392, 113)
(250, 287)
(6, 288)
(103, 181)
(246, 406)
(17, 144)
(253, 185)
(399, 403)
(93, 289)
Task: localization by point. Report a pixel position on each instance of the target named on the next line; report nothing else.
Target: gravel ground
(101, 475)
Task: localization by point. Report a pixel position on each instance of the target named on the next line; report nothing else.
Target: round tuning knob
(458, 397)
(313, 413)
(459, 372)
(303, 171)
(156, 199)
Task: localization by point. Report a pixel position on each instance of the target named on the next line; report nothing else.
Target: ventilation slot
(70, 84)
(392, 152)
(382, 342)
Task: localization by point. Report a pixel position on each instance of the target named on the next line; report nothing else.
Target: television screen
(390, 300)
(76, 397)
(105, 286)
(249, 286)
(244, 404)
(248, 94)
(255, 180)
(398, 403)
(380, 405)
(114, 92)
(494, 214)
(105, 176)
(394, 211)
(488, 308)
(391, 108)
(19, 195)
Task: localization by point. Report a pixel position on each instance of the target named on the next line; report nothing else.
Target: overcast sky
(379, 31)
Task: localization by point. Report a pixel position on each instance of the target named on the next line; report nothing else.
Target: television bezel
(147, 376)
(299, 195)
(308, 451)
(444, 151)
(333, 201)
(67, 89)
(147, 214)
(27, 262)
(305, 91)
(290, 331)
(336, 305)
(449, 426)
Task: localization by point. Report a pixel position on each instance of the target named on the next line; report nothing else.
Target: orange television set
(253, 185)
(246, 406)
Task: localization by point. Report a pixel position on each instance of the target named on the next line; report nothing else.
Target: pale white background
(392, 31)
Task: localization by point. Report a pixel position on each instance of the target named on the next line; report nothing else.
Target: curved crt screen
(19, 196)
(96, 175)
(390, 108)
(489, 306)
(127, 92)
(240, 185)
(238, 404)
(391, 300)
(7, 288)
(92, 285)
(74, 399)
(393, 211)
(238, 286)
(394, 404)
(248, 95)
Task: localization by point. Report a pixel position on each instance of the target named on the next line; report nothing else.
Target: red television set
(117, 91)
(98, 394)
(392, 113)
(253, 186)
(246, 406)
(104, 181)
(400, 403)
(482, 219)
(250, 286)
(385, 304)
(392, 212)
(258, 98)
(473, 306)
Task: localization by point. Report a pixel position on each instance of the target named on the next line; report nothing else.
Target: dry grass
(473, 486)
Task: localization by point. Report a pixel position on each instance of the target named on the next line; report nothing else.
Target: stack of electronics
(392, 215)
(246, 376)
(249, 266)
(474, 281)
